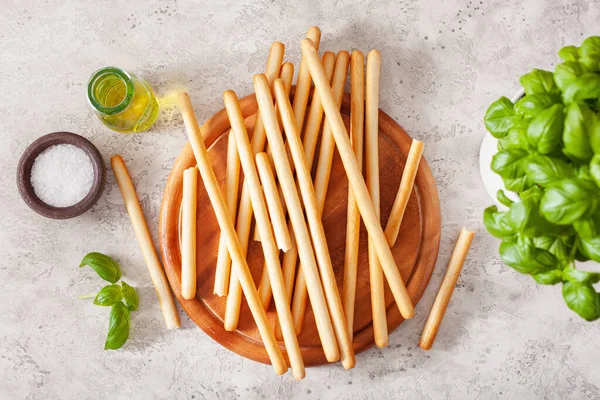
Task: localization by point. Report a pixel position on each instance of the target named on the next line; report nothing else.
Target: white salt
(62, 175)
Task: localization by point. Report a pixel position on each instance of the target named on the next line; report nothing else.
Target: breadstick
(315, 113)
(357, 118)
(232, 184)
(443, 297)
(228, 231)
(287, 74)
(188, 233)
(292, 200)
(406, 185)
(270, 249)
(304, 81)
(356, 181)
(244, 221)
(327, 148)
(312, 129)
(378, 310)
(322, 176)
(264, 289)
(267, 178)
(313, 215)
(157, 273)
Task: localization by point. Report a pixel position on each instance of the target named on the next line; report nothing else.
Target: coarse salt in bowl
(62, 175)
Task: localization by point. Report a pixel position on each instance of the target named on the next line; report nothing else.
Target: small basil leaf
(545, 130)
(583, 172)
(518, 184)
(589, 53)
(569, 200)
(567, 73)
(559, 246)
(578, 276)
(503, 198)
(595, 169)
(589, 227)
(590, 248)
(495, 222)
(551, 277)
(106, 267)
(538, 81)
(569, 53)
(532, 105)
(583, 299)
(586, 86)
(581, 125)
(130, 296)
(544, 169)
(526, 259)
(118, 327)
(524, 217)
(515, 139)
(533, 192)
(500, 117)
(509, 163)
(108, 295)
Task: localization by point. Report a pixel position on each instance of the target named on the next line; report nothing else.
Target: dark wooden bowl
(24, 175)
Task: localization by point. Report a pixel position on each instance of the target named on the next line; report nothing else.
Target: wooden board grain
(415, 251)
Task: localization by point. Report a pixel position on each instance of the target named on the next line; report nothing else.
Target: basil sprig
(121, 298)
(549, 153)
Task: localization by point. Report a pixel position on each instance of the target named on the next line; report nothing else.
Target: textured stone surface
(443, 62)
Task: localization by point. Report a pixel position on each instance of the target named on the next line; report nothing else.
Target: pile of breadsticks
(278, 186)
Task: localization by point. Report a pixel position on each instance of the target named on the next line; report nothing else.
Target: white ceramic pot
(491, 180)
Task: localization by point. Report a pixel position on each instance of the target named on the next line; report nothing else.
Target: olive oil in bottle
(122, 101)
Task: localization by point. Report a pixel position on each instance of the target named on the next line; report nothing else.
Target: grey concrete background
(443, 63)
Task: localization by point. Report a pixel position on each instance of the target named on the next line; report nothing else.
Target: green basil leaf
(545, 130)
(509, 163)
(544, 169)
(503, 198)
(538, 81)
(515, 139)
(595, 169)
(130, 296)
(518, 184)
(589, 53)
(495, 222)
(526, 259)
(567, 73)
(583, 299)
(106, 267)
(500, 117)
(118, 327)
(569, 200)
(578, 276)
(590, 248)
(524, 218)
(586, 86)
(583, 172)
(551, 277)
(108, 295)
(589, 227)
(559, 246)
(533, 192)
(569, 53)
(532, 105)
(581, 124)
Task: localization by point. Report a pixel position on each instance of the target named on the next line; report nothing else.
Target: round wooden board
(415, 251)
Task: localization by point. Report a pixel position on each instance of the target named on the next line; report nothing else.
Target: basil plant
(549, 153)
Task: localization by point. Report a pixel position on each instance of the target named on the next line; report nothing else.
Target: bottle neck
(110, 90)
